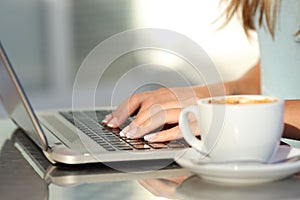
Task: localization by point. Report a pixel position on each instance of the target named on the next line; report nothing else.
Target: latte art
(241, 100)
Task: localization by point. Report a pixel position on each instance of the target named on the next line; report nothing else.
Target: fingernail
(150, 137)
(132, 132)
(124, 131)
(113, 122)
(106, 118)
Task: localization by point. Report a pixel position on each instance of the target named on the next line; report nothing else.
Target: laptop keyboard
(89, 122)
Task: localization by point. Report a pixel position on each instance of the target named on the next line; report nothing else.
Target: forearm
(249, 83)
(292, 119)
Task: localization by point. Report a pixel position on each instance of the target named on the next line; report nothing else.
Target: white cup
(236, 128)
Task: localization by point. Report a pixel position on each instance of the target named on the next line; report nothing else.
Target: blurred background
(47, 40)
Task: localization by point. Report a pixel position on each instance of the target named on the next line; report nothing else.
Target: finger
(107, 118)
(152, 104)
(171, 134)
(165, 135)
(138, 129)
(121, 114)
(144, 102)
(148, 112)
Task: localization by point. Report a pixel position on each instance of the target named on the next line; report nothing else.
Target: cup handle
(186, 130)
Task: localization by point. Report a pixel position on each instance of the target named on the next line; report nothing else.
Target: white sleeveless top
(280, 57)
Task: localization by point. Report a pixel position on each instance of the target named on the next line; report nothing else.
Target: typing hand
(154, 110)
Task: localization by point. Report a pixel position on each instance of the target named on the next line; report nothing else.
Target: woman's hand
(161, 107)
(154, 110)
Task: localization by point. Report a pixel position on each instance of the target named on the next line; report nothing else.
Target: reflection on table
(25, 177)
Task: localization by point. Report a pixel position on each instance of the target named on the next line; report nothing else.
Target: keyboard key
(141, 146)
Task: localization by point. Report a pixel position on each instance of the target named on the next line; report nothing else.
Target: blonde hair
(249, 8)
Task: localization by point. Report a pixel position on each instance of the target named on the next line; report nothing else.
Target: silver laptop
(74, 136)
(66, 175)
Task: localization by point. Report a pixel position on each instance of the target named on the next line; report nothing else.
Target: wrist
(218, 89)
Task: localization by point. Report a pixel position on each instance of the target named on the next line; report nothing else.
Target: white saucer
(243, 173)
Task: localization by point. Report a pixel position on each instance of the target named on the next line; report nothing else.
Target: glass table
(21, 177)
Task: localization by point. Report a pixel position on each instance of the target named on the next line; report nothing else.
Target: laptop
(75, 136)
(68, 175)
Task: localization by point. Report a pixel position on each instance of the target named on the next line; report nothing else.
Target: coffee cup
(235, 128)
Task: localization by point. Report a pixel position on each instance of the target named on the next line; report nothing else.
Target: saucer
(245, 173)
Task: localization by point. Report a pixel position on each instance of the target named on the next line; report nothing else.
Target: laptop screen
(15, 102)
